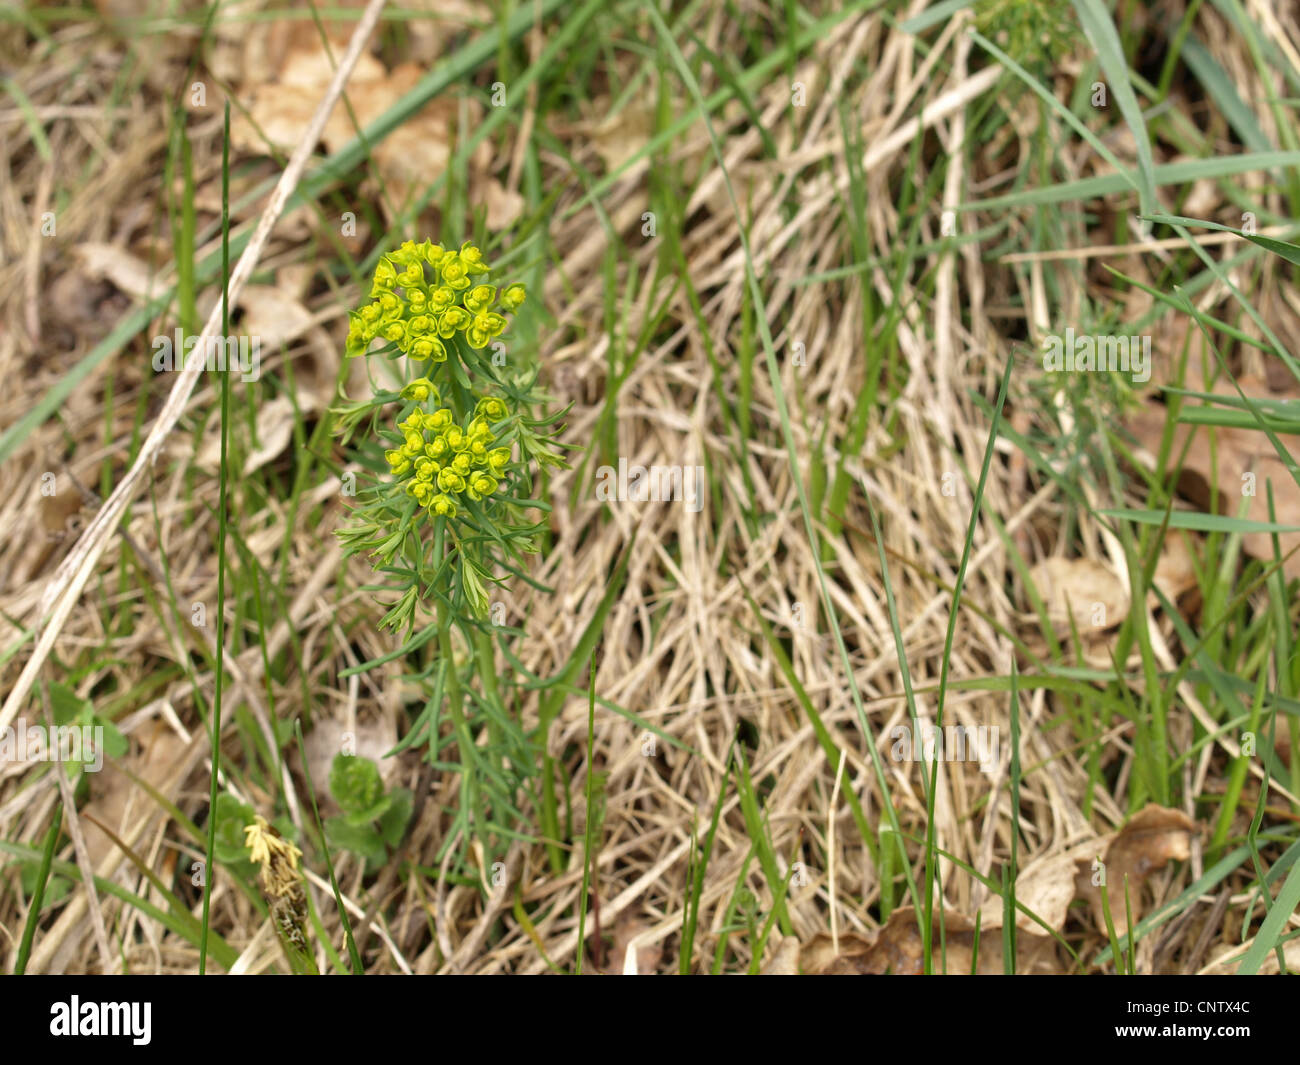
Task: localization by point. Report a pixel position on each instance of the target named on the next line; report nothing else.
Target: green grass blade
(38, 896)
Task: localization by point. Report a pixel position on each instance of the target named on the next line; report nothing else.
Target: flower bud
(453, 272)
(513, 297)
(479, 298)
(385, 278)
(421, 390)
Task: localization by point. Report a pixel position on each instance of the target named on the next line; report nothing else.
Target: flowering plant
(454, 453)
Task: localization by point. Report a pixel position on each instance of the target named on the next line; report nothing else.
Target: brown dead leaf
(1084, 587)
(619, 136)
(441, 20)
(115, 799)
(1046, 887)
(897, 949)
(1153, 837)
(1096, 653)
(628, 956)
(1280, 310)
(504, 206)
(77, 307)
(1175, 569)
(1238, 452)
(272, 315)
(1230, 959)
(113, 263)
(416, 151)
(274, 431)
(61, 524)
(785, 959)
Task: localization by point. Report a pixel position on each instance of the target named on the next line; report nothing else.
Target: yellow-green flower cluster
(439, 460)
(421, 312)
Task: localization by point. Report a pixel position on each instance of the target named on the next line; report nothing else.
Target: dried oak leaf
(1152, 838)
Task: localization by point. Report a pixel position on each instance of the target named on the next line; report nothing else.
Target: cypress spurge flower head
(492, 408)
(423, 295)
(473, 259)
(385, 278)
(440, 461)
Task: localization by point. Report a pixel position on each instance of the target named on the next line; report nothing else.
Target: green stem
(485, 667)
(551, 815)
(464, 741)
(486, 670)
(550, 808)
(455, 697)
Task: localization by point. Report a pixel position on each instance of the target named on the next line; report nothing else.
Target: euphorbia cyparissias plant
(453, 452)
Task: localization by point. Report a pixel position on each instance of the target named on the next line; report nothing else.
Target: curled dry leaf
(113, 263)
(897, 949)
(276, 315)
(61, 524)
(1084, 587)
(78, 308)
(1045, 887)
(272, 315)
(619, 136)
(1175, 568)
(1152, 838)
